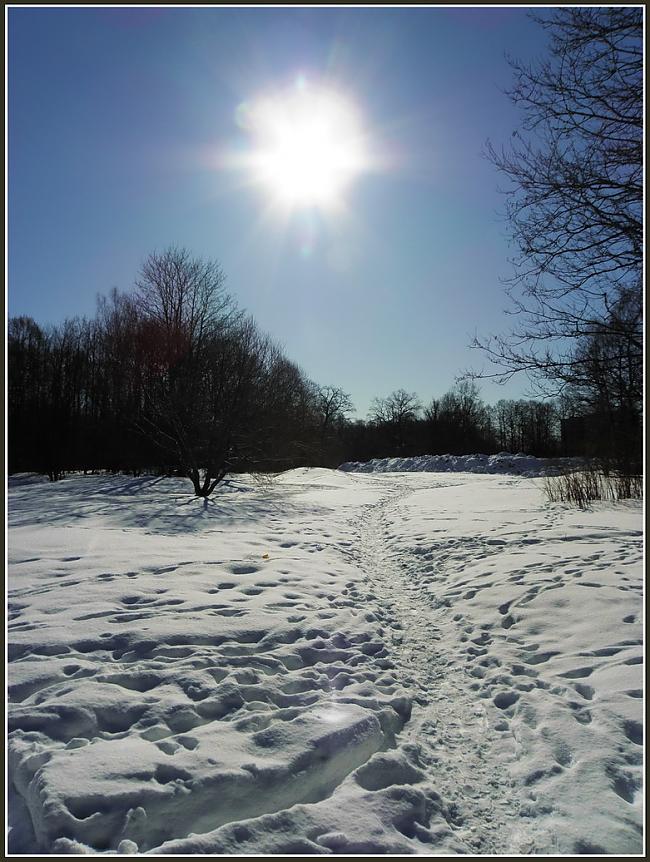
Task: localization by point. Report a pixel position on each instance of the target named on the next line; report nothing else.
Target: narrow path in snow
(449, 724)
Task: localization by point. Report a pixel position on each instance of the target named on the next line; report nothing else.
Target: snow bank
(15, 480)
(504, 462)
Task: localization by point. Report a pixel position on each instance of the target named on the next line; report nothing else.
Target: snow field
(326, 663)
(175, 668)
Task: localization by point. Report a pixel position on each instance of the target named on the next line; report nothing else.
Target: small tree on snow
(200, 359)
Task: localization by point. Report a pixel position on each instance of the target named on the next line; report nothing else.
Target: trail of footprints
(507, 664)
(505, 683)
(449, 728)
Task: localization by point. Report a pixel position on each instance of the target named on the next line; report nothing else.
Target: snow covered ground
(332, 662)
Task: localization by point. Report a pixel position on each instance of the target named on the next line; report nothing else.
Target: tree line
(172, 377)
(175, 378)
(459, 423)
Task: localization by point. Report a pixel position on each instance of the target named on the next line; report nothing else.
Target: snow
(503, 462)
(329, 662)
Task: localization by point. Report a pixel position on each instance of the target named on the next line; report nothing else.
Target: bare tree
(462, 406)
(396, 412)
(574, 202)
(527, 426)
(199, 358)
(459, 421)
(399, 406)
(608, 387)
(333, 405)
(286, 415)
(185, 296)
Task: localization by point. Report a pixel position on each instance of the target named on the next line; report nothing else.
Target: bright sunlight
(308, 145)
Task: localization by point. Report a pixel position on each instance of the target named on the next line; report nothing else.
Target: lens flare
(308, 145)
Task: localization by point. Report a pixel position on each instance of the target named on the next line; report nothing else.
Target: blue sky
(117, 119)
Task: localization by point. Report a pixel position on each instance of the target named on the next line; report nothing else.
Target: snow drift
(504, 462)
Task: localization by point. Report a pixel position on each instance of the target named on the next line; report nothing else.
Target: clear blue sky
(116, 121)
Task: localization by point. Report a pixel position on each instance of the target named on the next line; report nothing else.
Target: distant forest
(174, 378)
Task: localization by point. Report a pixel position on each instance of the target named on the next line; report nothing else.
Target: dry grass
(581, 487)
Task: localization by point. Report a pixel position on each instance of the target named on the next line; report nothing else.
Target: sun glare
(308, 145)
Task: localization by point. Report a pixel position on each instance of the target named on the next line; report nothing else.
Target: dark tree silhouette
(204, 364)
(173, 377)
(333, 406)
(532, 427)
(607, 387)
(459, 422)
(574, 202)
(395, 414)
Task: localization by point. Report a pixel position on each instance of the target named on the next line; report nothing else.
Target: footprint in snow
(244, 569)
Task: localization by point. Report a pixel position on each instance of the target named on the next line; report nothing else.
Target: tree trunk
(204, 487)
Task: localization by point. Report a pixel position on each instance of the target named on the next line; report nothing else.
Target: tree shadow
(157, 505)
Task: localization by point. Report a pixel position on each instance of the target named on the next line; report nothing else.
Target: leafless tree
(459, 421)
(286, 415)
(172, 377)
(574, 199)
(333, 405)
(608, 387)
(527, 426)
(398, 407)
(185, 296)
(463, 408)
(201, 360)
(396, 412)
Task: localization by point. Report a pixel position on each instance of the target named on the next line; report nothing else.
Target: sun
(308, 145)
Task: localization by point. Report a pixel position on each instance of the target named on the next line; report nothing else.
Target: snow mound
(16, 480)
(314, 476)
(504, 462)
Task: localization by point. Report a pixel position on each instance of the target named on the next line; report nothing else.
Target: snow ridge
(503, 462)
